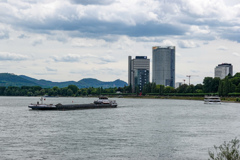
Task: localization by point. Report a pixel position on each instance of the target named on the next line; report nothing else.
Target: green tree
(220, 88)
(226, 151)
(207, 84)
(169, 89)
(210, 85)
(137, 90)
(69, 92)
(238, 88)
(235, 80)
(198, 86)
(182, 88)
(129, 88)
(56, 91)
(50, 92)
(215, 84)
(2, 89)
(74, 88)
(42, 92)
(161, 89)
(190, 89)
(29, 94)
(226, 86)
(153, 87)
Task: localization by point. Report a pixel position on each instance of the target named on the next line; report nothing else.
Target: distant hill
(7, 79)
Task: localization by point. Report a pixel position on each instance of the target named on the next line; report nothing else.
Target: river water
(139, 129)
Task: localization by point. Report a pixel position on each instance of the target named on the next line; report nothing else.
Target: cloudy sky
(63, 40)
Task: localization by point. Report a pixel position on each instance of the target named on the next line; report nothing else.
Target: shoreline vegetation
(228, 89)
(223, 99)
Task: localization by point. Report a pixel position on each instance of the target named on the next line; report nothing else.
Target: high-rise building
(138, 71)
(178, 84)
(222, 70)
(163, 65)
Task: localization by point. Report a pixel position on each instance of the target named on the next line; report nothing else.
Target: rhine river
(139, 129)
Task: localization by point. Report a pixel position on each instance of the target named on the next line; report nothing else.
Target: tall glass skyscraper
(138, 71)
(163, 65)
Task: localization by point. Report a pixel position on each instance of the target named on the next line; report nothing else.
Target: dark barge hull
(74, 106)
(42, 108)
(84, 106)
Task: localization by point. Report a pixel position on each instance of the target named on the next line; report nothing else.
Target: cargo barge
(102, 102)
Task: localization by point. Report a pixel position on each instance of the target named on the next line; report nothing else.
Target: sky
(63, 40)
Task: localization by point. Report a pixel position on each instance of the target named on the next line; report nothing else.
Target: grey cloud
(51, 69)
(106, 59)
(233, 35)
(89, 24)
(57, 37)
(36, 42)
(31, 1)
(205, 43)
(22, 36)
(4, 34)
(96, 28)
(93, 2)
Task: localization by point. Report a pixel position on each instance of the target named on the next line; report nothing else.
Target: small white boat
(212, 100)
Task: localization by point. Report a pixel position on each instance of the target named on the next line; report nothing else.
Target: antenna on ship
(41, 99)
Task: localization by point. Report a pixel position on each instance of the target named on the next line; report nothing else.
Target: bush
(226, 151)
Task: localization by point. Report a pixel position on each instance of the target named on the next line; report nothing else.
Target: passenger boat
(212, 100)
(102, 102)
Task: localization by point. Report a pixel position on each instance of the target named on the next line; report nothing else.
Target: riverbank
(223, 99)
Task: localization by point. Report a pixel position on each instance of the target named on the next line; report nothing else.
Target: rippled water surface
(138, 129)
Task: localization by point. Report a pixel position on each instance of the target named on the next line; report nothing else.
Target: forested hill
(7, 79)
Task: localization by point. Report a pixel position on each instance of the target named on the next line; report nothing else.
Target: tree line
(228, 85)
(71, 90)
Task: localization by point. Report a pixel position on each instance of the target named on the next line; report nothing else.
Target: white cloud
(236, 54)
(67, 58)
(223, 48)
(101, 59)
(199, 29)
(187, 44)
(167, 43)
(88, 30)
(12, 56)
(87, 42)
